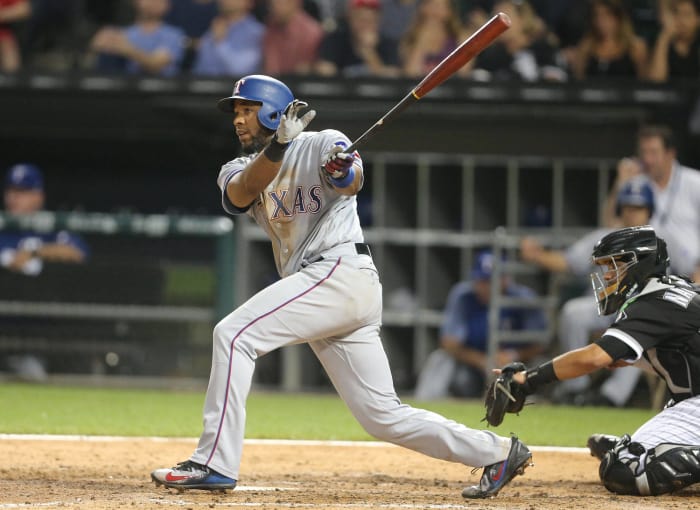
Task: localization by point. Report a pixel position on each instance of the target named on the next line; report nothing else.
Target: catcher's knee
(629, 469)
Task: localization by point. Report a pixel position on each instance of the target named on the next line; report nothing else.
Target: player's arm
(245, 186)
(608, 351)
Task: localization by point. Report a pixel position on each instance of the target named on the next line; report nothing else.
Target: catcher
(657, 327)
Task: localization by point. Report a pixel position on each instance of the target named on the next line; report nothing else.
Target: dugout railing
(120, 309)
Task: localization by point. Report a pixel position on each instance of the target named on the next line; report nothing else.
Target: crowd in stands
(655, 40)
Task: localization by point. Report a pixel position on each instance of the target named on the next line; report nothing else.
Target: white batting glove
(291, 125)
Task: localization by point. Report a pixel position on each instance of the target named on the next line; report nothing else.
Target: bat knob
(505, 19)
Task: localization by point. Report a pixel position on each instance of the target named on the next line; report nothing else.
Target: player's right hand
(338, 163)
(291, 125)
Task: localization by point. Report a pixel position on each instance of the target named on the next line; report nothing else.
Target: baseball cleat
(190, 475)
(497, 475)
(600, 444)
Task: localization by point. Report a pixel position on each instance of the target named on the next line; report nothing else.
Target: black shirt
(662, 325)
(685, 66)
(337, 47)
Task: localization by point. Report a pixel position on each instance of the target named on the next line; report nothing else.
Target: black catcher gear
(665, 468)
(626, 259)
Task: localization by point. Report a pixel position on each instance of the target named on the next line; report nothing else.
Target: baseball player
(300, 188)
(657, 328)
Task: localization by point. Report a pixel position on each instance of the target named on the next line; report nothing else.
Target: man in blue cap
(25, 252)
(458, 368)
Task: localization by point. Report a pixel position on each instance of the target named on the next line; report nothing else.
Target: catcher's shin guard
(660, 470)
(669, 467)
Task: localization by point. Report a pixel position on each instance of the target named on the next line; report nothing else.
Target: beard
(257, 144)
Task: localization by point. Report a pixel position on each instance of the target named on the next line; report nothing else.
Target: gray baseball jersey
(330, 297)
(300, 211)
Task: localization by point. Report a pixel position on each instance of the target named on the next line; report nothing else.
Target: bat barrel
(466, 51)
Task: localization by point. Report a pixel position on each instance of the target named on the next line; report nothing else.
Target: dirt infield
(94, 474)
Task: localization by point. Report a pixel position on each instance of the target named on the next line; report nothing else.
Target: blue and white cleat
(497, 475)
(190, 475)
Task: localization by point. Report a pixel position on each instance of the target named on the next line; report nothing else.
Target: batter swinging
(300, 188)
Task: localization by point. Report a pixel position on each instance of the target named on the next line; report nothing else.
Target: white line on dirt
(314, 505)
(271, 442)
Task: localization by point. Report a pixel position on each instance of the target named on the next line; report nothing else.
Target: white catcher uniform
(330, 297)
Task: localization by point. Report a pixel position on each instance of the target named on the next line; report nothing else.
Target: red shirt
(5, 30)
(286, 47)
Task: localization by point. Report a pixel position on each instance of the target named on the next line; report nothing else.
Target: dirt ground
(96, 474)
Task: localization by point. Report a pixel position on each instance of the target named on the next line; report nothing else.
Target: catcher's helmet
(626, 259)
(635, 192)
(271, 93)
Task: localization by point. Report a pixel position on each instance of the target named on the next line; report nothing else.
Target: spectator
(26, 252)
(609, 47)
(291, 39)
(233, 44)
(357, 48)
(676, 53)
(434, 33)
(56, 35)
(676, 195)
(578, 320)
(148, 46)
(526, 51)
(11, 12)
(458, 367)
(194, 17)
(396, 17)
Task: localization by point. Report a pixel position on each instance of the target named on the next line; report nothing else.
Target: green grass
(189, 284)
(36, 409)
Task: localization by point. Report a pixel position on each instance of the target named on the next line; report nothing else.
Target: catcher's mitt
(505, 395)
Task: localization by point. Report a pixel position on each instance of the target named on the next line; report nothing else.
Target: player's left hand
(506, 394)
(338, 163)
(291, 125)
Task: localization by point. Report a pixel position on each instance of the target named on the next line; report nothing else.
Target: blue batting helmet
(636, 192)
(273, 94)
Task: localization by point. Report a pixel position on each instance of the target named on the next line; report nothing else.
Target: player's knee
(227, 336)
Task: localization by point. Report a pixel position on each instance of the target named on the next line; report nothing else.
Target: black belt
(360, 248)
(363, 249)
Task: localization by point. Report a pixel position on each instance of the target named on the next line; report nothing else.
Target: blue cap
(483, 266)
(24, 176)
(636, 192)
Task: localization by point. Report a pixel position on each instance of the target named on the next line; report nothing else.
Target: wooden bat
(466, 51)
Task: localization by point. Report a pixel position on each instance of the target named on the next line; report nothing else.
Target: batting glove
(338, 163)
(291, 125)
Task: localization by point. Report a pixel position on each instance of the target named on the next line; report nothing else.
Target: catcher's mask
(624, 261)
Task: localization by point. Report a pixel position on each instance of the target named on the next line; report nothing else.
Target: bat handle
(400, 106)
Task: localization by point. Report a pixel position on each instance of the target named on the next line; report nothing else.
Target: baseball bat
(466, 51)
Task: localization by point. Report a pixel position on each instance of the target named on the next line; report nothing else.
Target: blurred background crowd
(556, 40)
